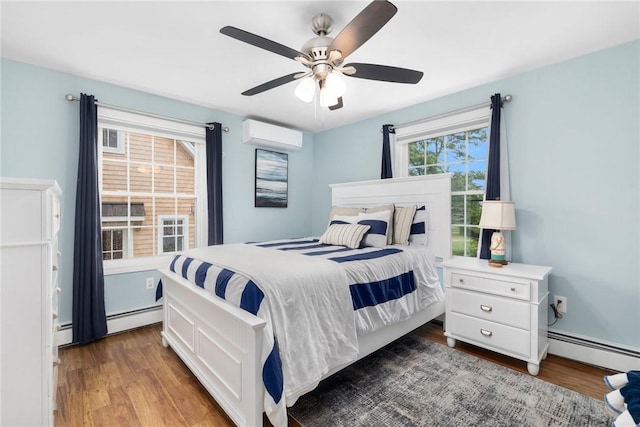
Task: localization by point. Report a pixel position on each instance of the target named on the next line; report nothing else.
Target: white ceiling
(174, 49)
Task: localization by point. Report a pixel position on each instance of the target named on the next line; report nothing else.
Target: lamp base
(495, 263)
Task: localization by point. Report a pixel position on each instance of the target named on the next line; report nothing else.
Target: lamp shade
(498, 215)
(306, 89)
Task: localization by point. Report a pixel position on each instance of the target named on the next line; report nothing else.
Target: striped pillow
(349, 235)
(343, 219)
(384, 208)
(380, 225)
(402, 221)
(418, 234)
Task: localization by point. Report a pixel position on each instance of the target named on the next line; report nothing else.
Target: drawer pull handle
(513, 289)
(461, 280)
(54, 267)
(486, 333)
(486, 308)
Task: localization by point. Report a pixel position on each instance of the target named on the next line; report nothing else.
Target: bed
(225, 346)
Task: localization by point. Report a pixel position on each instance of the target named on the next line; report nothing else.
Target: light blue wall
(574, 138)
(40, 137)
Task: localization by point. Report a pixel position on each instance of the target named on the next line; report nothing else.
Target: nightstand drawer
(489, 334)
(488, 307)
(513, 289)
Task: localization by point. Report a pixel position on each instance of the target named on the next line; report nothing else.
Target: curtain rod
(506, 98)
(70, 97)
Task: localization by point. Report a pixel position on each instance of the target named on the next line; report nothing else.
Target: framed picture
(271, 179)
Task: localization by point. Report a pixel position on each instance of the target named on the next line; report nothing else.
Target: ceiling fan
(324, 55)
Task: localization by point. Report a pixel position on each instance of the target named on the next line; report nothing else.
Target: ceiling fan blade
(337, 106)
(270, 84)
(363, 27)
(261, 42)
(385, 73)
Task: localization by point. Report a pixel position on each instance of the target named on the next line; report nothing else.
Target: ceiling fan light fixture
(335, 86)
(326, 98)
(306, 89)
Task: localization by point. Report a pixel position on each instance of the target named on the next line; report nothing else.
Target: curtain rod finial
(69, 97)
(507, 98)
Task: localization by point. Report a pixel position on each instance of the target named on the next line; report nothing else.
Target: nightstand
(500, 309)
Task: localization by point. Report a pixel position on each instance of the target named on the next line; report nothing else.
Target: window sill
(136, 265)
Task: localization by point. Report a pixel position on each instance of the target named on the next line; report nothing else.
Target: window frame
(441, 125)
(185, 235)
(119, 148)
(139, 123)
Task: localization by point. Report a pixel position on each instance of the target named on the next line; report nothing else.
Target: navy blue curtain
(89, 319)
(214, 182)
(493, 168)
(386, 171)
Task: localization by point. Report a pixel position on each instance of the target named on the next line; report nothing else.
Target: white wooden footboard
(219, 343)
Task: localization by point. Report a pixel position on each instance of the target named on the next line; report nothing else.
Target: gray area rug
(416, 382)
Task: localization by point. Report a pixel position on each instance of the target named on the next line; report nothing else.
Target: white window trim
(130, 122)
(185, 236)
(426, 129)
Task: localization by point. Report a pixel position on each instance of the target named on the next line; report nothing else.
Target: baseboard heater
(593, 344)
(119, 322)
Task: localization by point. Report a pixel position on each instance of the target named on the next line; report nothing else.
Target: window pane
(477, 172)
(163, 151)
(117, 240)
(434, 170)
(185, 180)
(106, 241)
(117, 255)
(472, 241)
(168, 244)
(184, 153)
(457, 240)
(457, 209)
(140, 147)
(169, 231)
(141, 177)
(474, 209)
(457, 147)
(114, 176)
(106, 256)
(180, 241)
(416, 153)
(459, 178)
(478, 143)
(435, 150)
(144, 241)
(163, 179)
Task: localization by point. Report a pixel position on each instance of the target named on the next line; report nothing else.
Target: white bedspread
(325, 335)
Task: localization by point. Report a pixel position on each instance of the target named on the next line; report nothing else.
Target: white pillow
(383, 208)
(402, 221)
(379, 223)
(418, 234)
(349, 235)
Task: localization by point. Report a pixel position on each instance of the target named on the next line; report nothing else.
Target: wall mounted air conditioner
(270, 136)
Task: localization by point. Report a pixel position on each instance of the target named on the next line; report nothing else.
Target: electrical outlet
(149, 282)
(560, 303)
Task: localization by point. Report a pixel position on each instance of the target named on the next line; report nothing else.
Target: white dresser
(29, 259)
(501, 309)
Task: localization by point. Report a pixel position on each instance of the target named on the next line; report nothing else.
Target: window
(153, 191)
(457, 144)
(172, 234)
(112, 141)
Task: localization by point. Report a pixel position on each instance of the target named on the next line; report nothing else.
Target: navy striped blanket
(314, 297)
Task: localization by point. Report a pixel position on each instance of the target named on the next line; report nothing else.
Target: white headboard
(433, 191)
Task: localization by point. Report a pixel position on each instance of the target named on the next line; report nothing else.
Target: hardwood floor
(129, 379)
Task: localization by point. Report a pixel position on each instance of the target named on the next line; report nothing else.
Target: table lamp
(498, 215)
